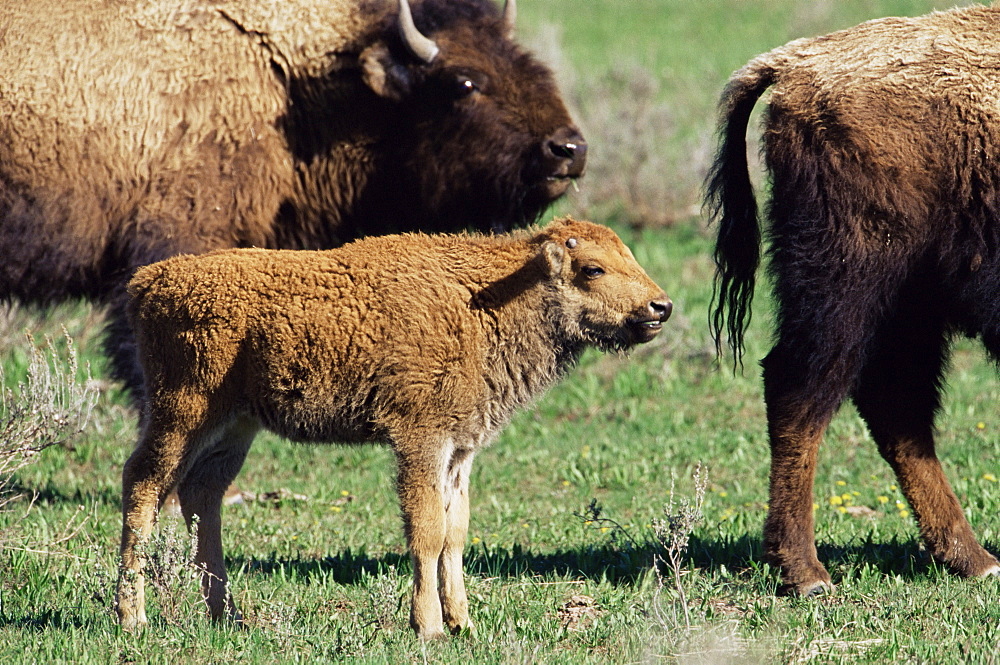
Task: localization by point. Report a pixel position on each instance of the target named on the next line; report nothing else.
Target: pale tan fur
(427, 343)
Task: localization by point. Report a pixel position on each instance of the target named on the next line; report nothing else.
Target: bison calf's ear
(384, 75)
(555, 258)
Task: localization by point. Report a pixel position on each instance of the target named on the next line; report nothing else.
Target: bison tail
(732, 206)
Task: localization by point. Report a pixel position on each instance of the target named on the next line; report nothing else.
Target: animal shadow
(612, 562)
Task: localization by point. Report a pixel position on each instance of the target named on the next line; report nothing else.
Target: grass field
(318, 562)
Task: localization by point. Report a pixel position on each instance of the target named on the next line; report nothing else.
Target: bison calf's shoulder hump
(427, 343)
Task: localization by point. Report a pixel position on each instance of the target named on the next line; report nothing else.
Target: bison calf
(427, 343)
(882, 143)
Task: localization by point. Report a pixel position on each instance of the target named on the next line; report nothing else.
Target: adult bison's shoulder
(130, 132)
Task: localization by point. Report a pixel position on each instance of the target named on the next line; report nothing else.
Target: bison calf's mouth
(645, 329)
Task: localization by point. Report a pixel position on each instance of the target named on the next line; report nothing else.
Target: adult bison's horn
(420, 46)
(510, 14)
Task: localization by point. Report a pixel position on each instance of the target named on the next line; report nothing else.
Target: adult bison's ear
(554, 256)
(389, 77)
(386, 76)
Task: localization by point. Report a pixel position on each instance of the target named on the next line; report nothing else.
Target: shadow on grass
(49, 619)
(51, 495)
(611, 562)
(620, 566)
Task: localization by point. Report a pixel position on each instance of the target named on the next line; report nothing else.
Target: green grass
(326, 578)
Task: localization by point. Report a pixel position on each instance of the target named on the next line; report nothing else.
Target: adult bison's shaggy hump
(134, 131)
(883, 146)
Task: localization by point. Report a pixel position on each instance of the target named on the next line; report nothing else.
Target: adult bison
(882, 142)
(134, 131)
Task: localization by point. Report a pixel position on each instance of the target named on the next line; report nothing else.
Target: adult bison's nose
(566, 153)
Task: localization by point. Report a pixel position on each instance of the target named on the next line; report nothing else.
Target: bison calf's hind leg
(147, 477)
(140, 503)
(201, 492)
(168, 455)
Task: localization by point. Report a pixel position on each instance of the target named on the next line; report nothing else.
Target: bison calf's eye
(593, 272)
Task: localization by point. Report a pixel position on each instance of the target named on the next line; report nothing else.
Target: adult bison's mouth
(556, 185)
(564, 159)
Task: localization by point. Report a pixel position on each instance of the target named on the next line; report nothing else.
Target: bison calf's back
(427, 343)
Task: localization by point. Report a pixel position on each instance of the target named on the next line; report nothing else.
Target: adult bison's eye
(592, 272)
(464, 86)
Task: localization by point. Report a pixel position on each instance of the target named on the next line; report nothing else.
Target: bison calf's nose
(661, 309)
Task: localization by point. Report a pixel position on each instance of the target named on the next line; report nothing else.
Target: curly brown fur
(135, 131)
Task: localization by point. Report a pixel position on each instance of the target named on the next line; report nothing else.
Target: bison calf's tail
(731, 204)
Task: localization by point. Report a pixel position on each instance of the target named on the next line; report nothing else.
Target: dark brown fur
(427, 343)
(882, 142)
(134, 131)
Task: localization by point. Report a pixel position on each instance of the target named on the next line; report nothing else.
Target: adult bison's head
(605, 298)
(480, 134)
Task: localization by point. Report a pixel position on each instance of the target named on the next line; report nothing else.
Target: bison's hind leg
(177, 433)
(796, 423)
(201, 492)
(147, 477)
(898, 396)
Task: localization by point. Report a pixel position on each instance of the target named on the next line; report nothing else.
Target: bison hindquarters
(883, 236)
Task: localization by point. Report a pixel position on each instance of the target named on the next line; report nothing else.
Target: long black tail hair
(732, 206)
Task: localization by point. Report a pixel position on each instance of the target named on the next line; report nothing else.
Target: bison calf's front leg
(420, 484)
(454, 601)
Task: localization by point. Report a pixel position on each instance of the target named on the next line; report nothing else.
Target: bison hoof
(132, 623)
(459, 630)
(431, 635)
(807, 589)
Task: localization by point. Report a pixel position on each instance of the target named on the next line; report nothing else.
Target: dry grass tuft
(47, 409)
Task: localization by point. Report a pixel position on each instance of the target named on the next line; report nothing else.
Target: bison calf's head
(606, 295)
